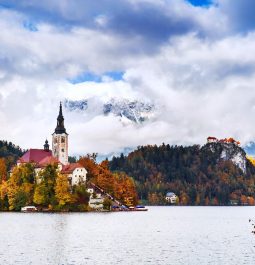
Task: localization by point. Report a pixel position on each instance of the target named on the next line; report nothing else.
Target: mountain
(128, 110)
(214, 174)
(73, 105)
(135, 111)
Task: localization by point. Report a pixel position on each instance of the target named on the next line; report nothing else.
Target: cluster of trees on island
(195, 174)
(53, 191)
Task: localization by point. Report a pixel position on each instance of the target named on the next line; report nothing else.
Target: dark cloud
(153, 22)
(150, 21)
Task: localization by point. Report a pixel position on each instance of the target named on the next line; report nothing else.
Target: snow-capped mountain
(76, 104)
(128, 110)
(135, 111)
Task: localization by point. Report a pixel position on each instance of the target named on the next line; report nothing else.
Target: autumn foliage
(195, 174)
(119, 184)
(51, 190)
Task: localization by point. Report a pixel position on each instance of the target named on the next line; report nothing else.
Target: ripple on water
(163, 235)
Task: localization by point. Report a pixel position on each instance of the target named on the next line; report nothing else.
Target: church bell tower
(60, 139)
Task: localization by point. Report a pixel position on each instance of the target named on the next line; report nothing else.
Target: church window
(62, 139)
(62, 150)
(56, 140)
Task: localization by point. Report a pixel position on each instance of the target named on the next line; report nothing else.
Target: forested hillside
(10, 152)
(199, 176)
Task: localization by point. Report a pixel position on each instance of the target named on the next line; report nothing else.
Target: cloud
(240, 14)
(198, 72)
(150, 22)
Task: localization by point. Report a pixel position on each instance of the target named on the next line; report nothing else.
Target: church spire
(60, 140)
(60, 122)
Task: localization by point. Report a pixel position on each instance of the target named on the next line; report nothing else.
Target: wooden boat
(26, 209)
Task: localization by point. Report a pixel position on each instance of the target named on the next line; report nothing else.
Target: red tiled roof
(70, 168)
(211, 138)
(48, 160)
(35, 156)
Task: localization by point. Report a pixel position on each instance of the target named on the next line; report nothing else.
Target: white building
(75, 172)
(171, 197)
(96, 200)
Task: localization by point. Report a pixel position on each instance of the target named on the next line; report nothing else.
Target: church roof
(34, 156)
(68, 169)
(48, 160)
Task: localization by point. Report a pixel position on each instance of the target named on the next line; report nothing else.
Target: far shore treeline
(195, 174)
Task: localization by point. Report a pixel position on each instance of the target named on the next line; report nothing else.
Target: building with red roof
(211, 139)
(35, 156)
(75, 172)
(230, 140)
(49, 160)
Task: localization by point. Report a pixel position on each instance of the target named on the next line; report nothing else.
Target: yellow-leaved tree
(251, 159)
(13, 187)
(20, 186)
(62, 191)
(40, 195)
(3, 196)
(3, 169)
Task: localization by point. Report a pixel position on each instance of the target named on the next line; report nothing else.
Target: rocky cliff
(228, 152)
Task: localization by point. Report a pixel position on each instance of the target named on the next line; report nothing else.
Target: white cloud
(201, 86)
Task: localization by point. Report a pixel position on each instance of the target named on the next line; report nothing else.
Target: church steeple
(60, 122)
(60, 139)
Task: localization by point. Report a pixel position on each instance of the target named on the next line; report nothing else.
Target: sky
(193, 60)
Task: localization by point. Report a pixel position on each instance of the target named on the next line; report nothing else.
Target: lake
(163, 235)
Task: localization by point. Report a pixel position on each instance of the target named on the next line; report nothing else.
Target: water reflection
(59, 237)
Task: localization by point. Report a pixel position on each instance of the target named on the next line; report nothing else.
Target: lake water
(163, 235)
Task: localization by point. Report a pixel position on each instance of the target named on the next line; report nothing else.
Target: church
(58, 155)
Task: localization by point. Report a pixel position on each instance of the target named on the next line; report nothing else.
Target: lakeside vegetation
(50, 190)
(195, 174)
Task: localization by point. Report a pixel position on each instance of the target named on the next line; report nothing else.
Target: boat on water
(140, 208)
(27, 209)
(130, 208)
